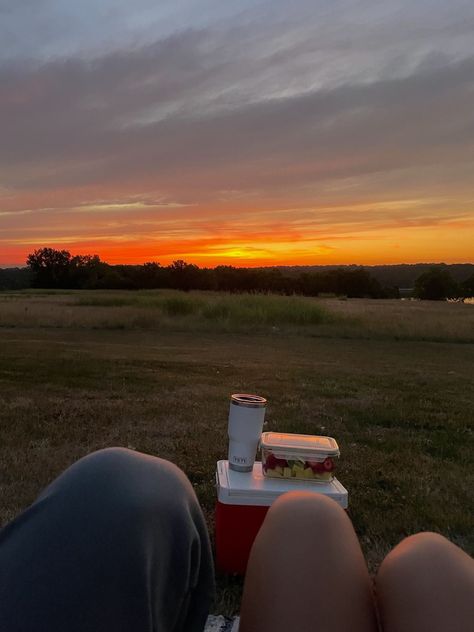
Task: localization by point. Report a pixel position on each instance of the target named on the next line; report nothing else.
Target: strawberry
(271, 461)
(317, 467)
(328, 464)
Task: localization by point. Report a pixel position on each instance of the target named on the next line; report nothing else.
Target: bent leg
(306, 571)
(426, 584)
(117, 542)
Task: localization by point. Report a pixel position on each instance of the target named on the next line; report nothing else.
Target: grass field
(391, 380)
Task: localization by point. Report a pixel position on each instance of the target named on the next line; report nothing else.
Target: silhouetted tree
(50, 267)
(227, 279)
(15, 278)
(86, 271)
(183, 276)
(467, 287)
(435, 284)
(151, 275)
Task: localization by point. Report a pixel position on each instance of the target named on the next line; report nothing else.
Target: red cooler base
(236, 529)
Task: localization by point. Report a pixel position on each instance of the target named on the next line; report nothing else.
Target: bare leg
(426, 584)
(306, 571)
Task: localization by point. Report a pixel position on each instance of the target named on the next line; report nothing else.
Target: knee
(310, 503)
(118, 463)
(305, 509)
(417, 554)
(106, 460)
(140, 474)
(124, 479)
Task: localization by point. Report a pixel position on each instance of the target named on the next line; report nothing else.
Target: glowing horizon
(211, 253)
(364, 242)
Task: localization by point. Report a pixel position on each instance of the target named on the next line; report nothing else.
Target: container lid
(249, 401)
(305, 445)
(253, 488)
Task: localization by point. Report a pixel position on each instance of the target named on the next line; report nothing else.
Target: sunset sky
(250, 132)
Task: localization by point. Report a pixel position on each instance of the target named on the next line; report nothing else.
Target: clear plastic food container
(303, 457)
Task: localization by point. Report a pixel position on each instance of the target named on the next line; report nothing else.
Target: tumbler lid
(249, 401)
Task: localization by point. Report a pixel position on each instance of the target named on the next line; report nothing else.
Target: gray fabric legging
(117, 542)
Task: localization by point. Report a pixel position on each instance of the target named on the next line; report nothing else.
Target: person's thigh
(426, 584)
(117, 542)
(306, 571)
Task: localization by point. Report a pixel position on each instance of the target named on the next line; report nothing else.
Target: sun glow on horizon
(449, 242)
(139, 228)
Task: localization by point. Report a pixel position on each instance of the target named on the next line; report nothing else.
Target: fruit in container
(303, 470)
(299, 457)
(272, 461)
(297, 470)
(328, 464)
(317, 466)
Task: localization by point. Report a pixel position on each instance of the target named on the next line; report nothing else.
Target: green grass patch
(266, 310)
(33, 292)
(103, 300)
(179, 306)
(236, 311)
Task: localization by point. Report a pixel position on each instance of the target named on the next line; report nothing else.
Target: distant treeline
(58, 269)
(401, 275)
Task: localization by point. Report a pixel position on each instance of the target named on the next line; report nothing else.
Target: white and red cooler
(243, 499)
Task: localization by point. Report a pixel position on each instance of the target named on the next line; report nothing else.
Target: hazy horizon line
(277, 265)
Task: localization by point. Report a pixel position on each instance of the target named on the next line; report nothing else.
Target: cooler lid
(253, 488)
(299, 444)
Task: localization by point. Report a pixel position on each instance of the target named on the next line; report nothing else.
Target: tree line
(58, 269)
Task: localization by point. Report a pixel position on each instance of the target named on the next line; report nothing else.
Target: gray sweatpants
(116, 543)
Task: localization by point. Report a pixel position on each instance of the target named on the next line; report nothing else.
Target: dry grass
(205, 312)
(72, 381)
(407, 320)
(158, 309)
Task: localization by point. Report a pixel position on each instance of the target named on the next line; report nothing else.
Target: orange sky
(345, 227)
(253, 239)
